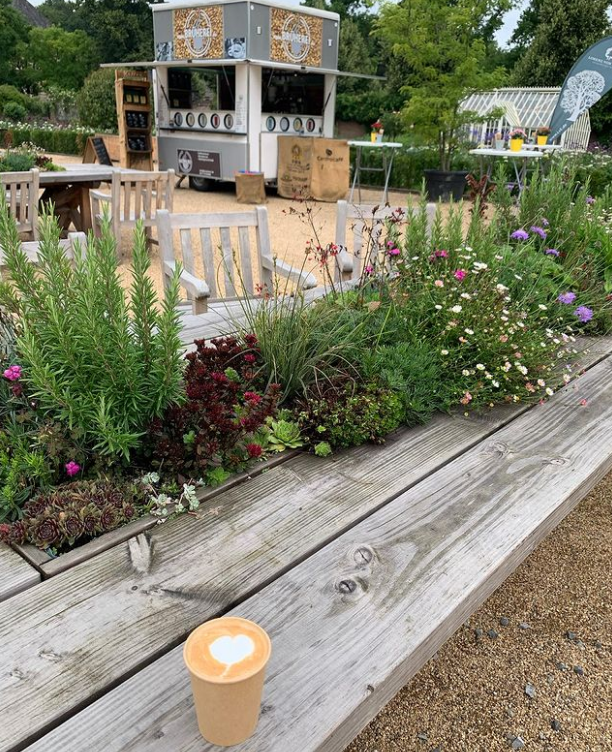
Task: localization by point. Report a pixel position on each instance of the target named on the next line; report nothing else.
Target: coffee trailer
(230, 77)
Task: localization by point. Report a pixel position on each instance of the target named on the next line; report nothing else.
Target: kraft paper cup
(228, 710)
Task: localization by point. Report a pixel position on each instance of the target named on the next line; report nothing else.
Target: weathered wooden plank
(15, 573)
(92, 626)
(353, 622)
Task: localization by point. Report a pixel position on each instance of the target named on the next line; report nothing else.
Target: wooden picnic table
(359, 565)
(69, 191)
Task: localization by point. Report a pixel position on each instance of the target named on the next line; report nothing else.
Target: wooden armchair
(21, 190)
(224, 270)
(133, 196)
(367, 223)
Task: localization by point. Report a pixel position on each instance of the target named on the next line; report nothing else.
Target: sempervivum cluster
(76, 510)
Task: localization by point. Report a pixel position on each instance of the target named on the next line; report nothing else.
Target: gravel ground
(289, 233)
(544, 684)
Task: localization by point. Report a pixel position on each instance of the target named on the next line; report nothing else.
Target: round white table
(520, 160)
(388, 152)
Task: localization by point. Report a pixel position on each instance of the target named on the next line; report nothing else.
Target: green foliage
(55, 140)
(323, 449)
(442, 46)
(11, 94)
(13, 31)
(54, 57)
(415, 371)
(17, 161)
(344, 415)
(93, 360)
(14, 111)
(551, 36)
(96, 101)
(120, 30)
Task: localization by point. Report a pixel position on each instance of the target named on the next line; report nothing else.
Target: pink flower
(393, 251)
(503, 337)
(460, 274)
(369, 269)
(439, 283)
(466, 399)
(13, 373)
(72, 468)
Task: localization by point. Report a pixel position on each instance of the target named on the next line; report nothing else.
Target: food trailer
(230, 77)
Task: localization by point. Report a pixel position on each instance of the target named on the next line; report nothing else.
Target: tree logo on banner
(581, 92)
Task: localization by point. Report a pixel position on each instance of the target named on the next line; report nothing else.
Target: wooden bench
(21, 195)
(360, 566)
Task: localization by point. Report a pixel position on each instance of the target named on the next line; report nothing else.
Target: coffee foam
(227, 649)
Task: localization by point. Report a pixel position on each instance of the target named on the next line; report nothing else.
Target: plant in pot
(542, 135)
(517, 139)
(444, 54)
(500, 142)
(377, 131)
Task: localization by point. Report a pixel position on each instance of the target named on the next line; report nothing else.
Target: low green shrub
(14, 111)
(348, 414)
(47, 137)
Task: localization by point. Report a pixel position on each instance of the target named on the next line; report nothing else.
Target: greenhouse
(526, 108)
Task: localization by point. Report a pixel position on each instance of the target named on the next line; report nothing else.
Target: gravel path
(532, 669)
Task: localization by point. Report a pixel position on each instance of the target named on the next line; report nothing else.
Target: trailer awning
(231, 61)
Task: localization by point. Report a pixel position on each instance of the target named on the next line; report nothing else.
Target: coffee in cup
(227, 660)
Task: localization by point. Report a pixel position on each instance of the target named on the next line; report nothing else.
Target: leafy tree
(54, 57)
(96, 101)
(444, 53)
(122, 30)
(13, 31)
(553, 35)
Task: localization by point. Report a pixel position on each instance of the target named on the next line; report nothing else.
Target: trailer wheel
(200, 184)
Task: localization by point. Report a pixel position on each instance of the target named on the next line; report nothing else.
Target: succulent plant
(284, 434)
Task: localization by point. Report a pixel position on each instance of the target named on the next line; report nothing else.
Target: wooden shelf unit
(135, 87)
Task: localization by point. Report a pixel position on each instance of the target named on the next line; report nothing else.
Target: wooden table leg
(85, 207)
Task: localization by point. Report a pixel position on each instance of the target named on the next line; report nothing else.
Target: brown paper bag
(250, 188)
(330, 169)
(294, 166)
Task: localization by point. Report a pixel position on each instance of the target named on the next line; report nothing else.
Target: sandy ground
(556, 645)
(289, 232)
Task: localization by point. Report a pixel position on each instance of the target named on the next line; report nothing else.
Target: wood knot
(346, 586)
(363, 555)
(369, 689)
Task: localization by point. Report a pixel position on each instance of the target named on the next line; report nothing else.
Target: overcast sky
(503, 34)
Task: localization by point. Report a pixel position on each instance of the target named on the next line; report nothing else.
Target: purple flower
(551, 252)
(590, 200)
(539, 231)
(519, 235)
(545, 222)
(72, 468)
(583, 313)
(567, 298)
(13, 373)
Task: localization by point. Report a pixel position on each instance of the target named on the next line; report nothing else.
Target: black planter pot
(444, 185)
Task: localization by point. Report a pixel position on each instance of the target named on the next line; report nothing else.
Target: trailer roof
(199, 4)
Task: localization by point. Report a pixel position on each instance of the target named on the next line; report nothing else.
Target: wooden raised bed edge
(49, 566)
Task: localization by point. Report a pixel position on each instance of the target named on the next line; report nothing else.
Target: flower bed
(104, 422)
(46, 135)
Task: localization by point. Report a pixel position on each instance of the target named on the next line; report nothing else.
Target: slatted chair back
(21, 191)
(134, 196)
(32, 248)
(217, 249)
(367, 223)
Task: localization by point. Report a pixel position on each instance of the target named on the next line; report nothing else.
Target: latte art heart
(231, 650)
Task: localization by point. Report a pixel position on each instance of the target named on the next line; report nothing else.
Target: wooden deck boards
(354, 621)
(91, 627)
(15, 573)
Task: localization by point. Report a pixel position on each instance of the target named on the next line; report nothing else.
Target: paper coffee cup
(227, 660)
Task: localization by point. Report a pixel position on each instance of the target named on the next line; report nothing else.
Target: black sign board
(206, 164)
(101, 152)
